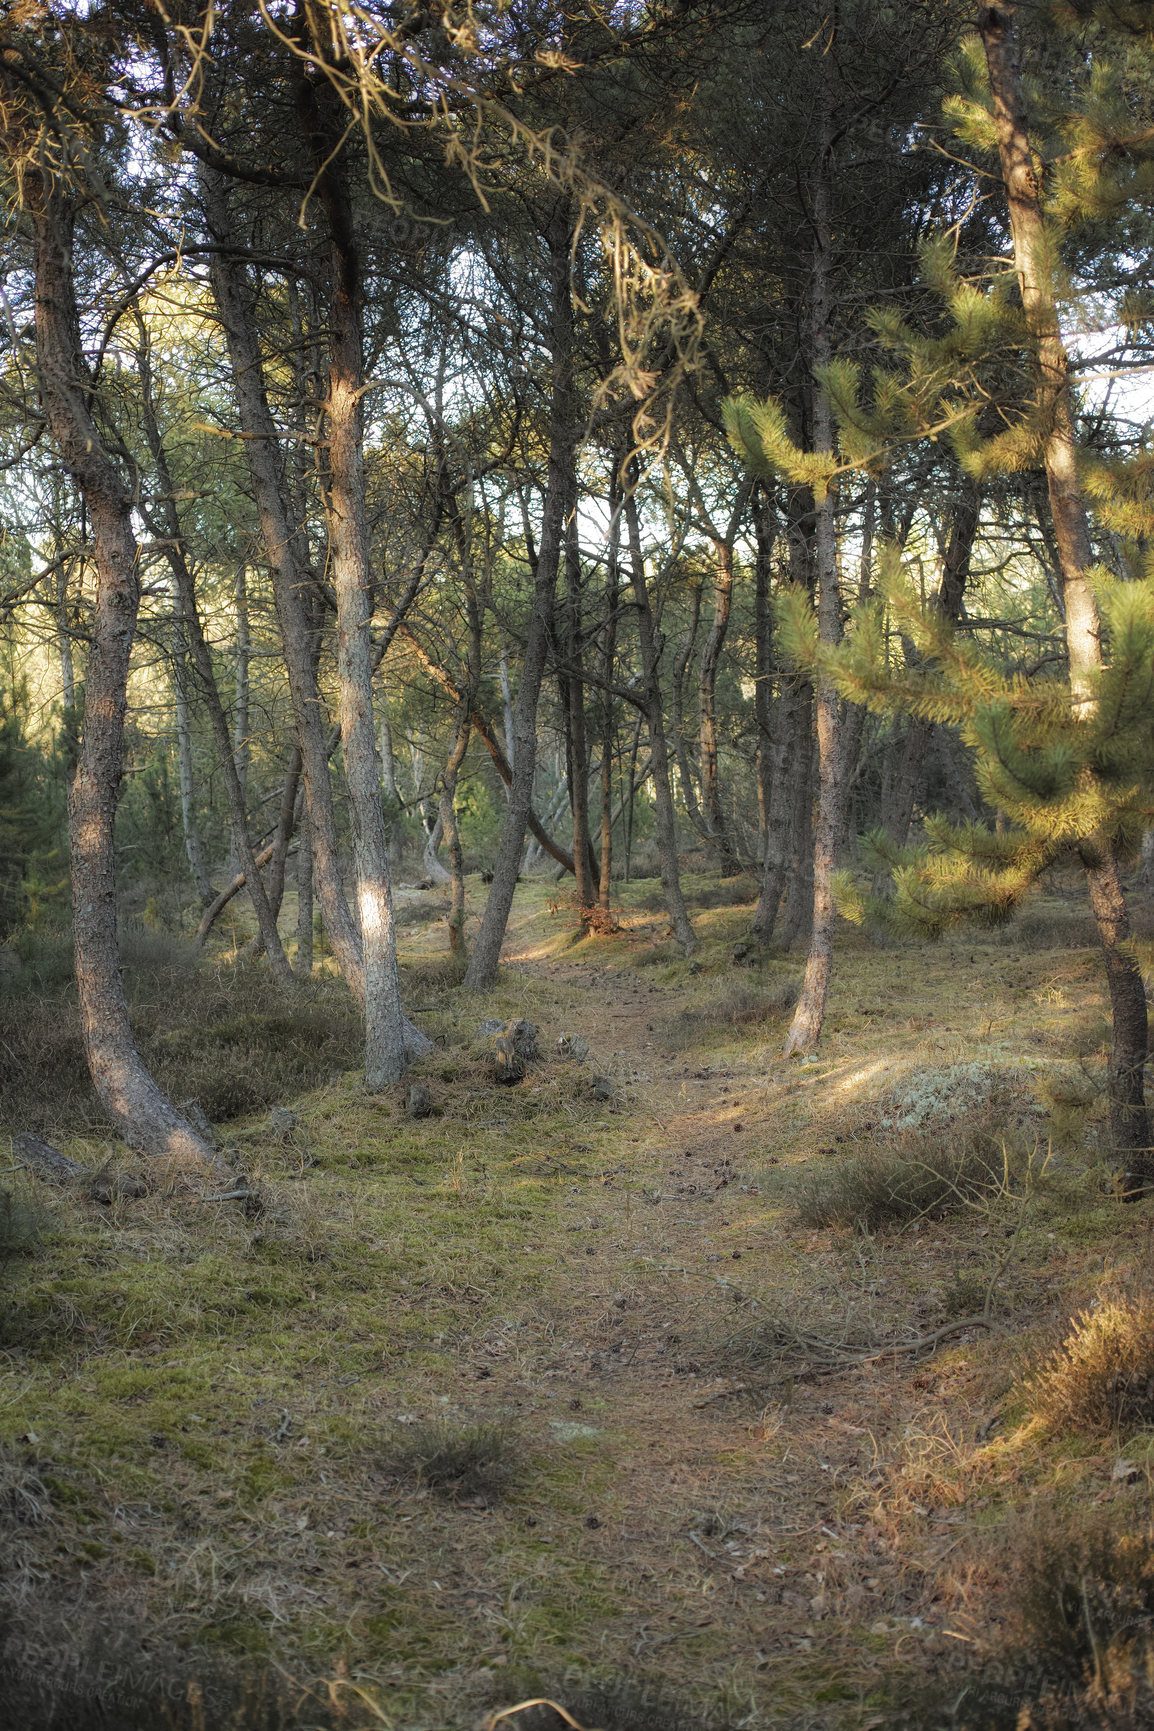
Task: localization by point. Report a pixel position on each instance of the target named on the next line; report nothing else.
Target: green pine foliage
(1063, 775)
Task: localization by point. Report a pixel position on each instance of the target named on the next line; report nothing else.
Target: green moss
(241, 1636)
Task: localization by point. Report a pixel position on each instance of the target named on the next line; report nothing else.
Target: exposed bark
(789, 792)
(304, 955)
(805, 1029)
(484, 731)
(577, 750)
(242, 849)
(607, 660)
(1129, 1118)
(193, 841)
(666, 824)
(242, 666)
(448, 814)
(563, 434)
(349, 566)
(137, 1106)
(765, 534)
(677, 708)
(287, 571)
(710, 657)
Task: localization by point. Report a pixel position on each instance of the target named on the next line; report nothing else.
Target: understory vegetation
(813, 1415)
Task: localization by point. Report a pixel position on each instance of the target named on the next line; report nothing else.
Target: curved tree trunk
(289, 584)
(139, 1109)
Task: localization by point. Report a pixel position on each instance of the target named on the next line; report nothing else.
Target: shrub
(913, 1176)
(22, 1225)
(1102, 1376)
(466, 1463)
(736, 1007)
(223, 1036)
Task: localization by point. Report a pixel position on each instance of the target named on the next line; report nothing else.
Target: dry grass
(738, 1473)
(1102, 1376)
(735, 1007)
(910, 1176)
(466, 1463)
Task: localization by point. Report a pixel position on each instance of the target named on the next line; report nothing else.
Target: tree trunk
(677, 709)
(788, 786)
(304, 955)
(608, 658)
(666, 822)
(193, 842)
(456, 757)
(576, 744)
(799, 875)
(1129, 1119)
(348, 534)
(242, 850)
(711, 655)
(287, 572)
(240, 740)
(139, 1109)
(563, 432)
(765, 534)
(805, 1029)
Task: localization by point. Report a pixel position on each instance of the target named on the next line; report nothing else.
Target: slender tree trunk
(799, 876)
(349, 565)
(630, 796)
(666, 823)
(304, 955)
(242, 849)
(577, 747)
(193, 842)
(139, 1109)
(789, 783)
(1129, 1118)
(240, 726)
(677, 709)
(608, 660)
(452, 832)
(482, 970)
(711, 655)
(287, 572)
(765, 534)
(805, 1029)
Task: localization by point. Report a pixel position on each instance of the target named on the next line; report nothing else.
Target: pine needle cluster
(1068, 775)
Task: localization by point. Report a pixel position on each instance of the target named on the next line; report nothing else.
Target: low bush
(465, 1463)
(619, 1704)
(22, 1225)
(736, 891)
(737, 1006)
(910, 1176)
(1102, 1376)
(223, 1036)
(1078, 1653)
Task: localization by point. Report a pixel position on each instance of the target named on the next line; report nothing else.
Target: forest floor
(699, 1463)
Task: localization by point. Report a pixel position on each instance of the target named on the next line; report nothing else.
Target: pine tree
(1069, 760)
